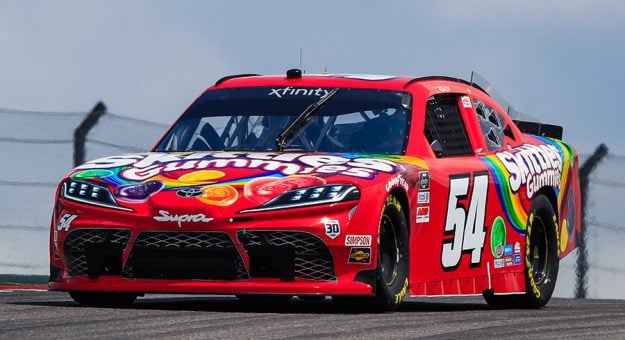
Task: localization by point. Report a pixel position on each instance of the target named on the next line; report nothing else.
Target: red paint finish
(452, 203)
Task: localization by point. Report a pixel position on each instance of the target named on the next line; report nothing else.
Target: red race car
(363, 188)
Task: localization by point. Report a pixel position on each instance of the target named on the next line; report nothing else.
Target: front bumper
(265, 253)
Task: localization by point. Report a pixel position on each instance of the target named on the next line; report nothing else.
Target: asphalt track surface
(42, 314)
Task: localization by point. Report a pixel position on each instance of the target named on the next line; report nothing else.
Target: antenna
(300, 58)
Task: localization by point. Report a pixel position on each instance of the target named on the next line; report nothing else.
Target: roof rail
(443, 78)
(217, 83)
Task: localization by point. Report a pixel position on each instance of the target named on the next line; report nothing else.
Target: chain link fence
(36, 151)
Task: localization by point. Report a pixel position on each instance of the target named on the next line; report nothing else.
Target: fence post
(581, 266)
(80, 133)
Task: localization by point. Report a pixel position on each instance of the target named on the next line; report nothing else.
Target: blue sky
(561, 61)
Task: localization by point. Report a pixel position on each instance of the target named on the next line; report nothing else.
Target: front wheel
(541, 260)
(392, 262)
(103, 299)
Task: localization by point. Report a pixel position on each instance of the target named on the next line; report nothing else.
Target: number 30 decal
(466, 228)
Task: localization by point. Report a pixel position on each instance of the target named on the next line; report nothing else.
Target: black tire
(541, 260)
(392, 263)
(104, 299)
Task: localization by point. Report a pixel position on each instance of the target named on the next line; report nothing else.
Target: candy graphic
(263, 189)
(96, 173)
(220, 195)
(138, 192)
(498, 237)
(201, 176)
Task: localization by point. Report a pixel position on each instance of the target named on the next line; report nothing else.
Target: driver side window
(492, 124)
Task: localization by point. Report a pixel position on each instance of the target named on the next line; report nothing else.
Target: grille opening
(311, 257)
(184, 256)
(104, 259)
(272, 262)
(95, 252)
(180, 264)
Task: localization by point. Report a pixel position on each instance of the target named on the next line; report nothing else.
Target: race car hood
(232, 181)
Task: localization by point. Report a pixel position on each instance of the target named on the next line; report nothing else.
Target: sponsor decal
(189, 192)
(498, 251)
(361, 255)
(466, 102)
(517, 259)
(465, 231)
(166, 216)
(499, 263)
(65, 222)
(507, 250)
(399, 297)
(297, 91)
(423, 197)
(442, 89)
(508, 260)
(523, 162)
(358, 240)
(532, 166)
(332, 228)
(498, 237)
(397, 181)
(517, 247)
(424, 180)
(423, 214)
(144, 166)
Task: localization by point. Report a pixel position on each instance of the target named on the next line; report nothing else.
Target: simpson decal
(358, 240)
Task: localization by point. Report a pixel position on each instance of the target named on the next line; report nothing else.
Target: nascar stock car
(362, 188)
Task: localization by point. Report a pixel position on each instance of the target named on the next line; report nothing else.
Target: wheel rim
(389, 251)
(539, 248)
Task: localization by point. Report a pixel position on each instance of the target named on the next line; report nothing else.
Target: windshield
(355, 120)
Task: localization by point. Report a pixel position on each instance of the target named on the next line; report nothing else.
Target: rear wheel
(104, 299)
(392, 262)
(541, 260)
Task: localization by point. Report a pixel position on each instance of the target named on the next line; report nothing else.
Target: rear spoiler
(525, 123)
(540, 129)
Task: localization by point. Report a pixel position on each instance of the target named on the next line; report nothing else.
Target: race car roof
(294, 77)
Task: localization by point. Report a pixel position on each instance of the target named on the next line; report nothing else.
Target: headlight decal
(90, 193)
(301, 197)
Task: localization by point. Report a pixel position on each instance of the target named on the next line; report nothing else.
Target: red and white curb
(24, 288)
